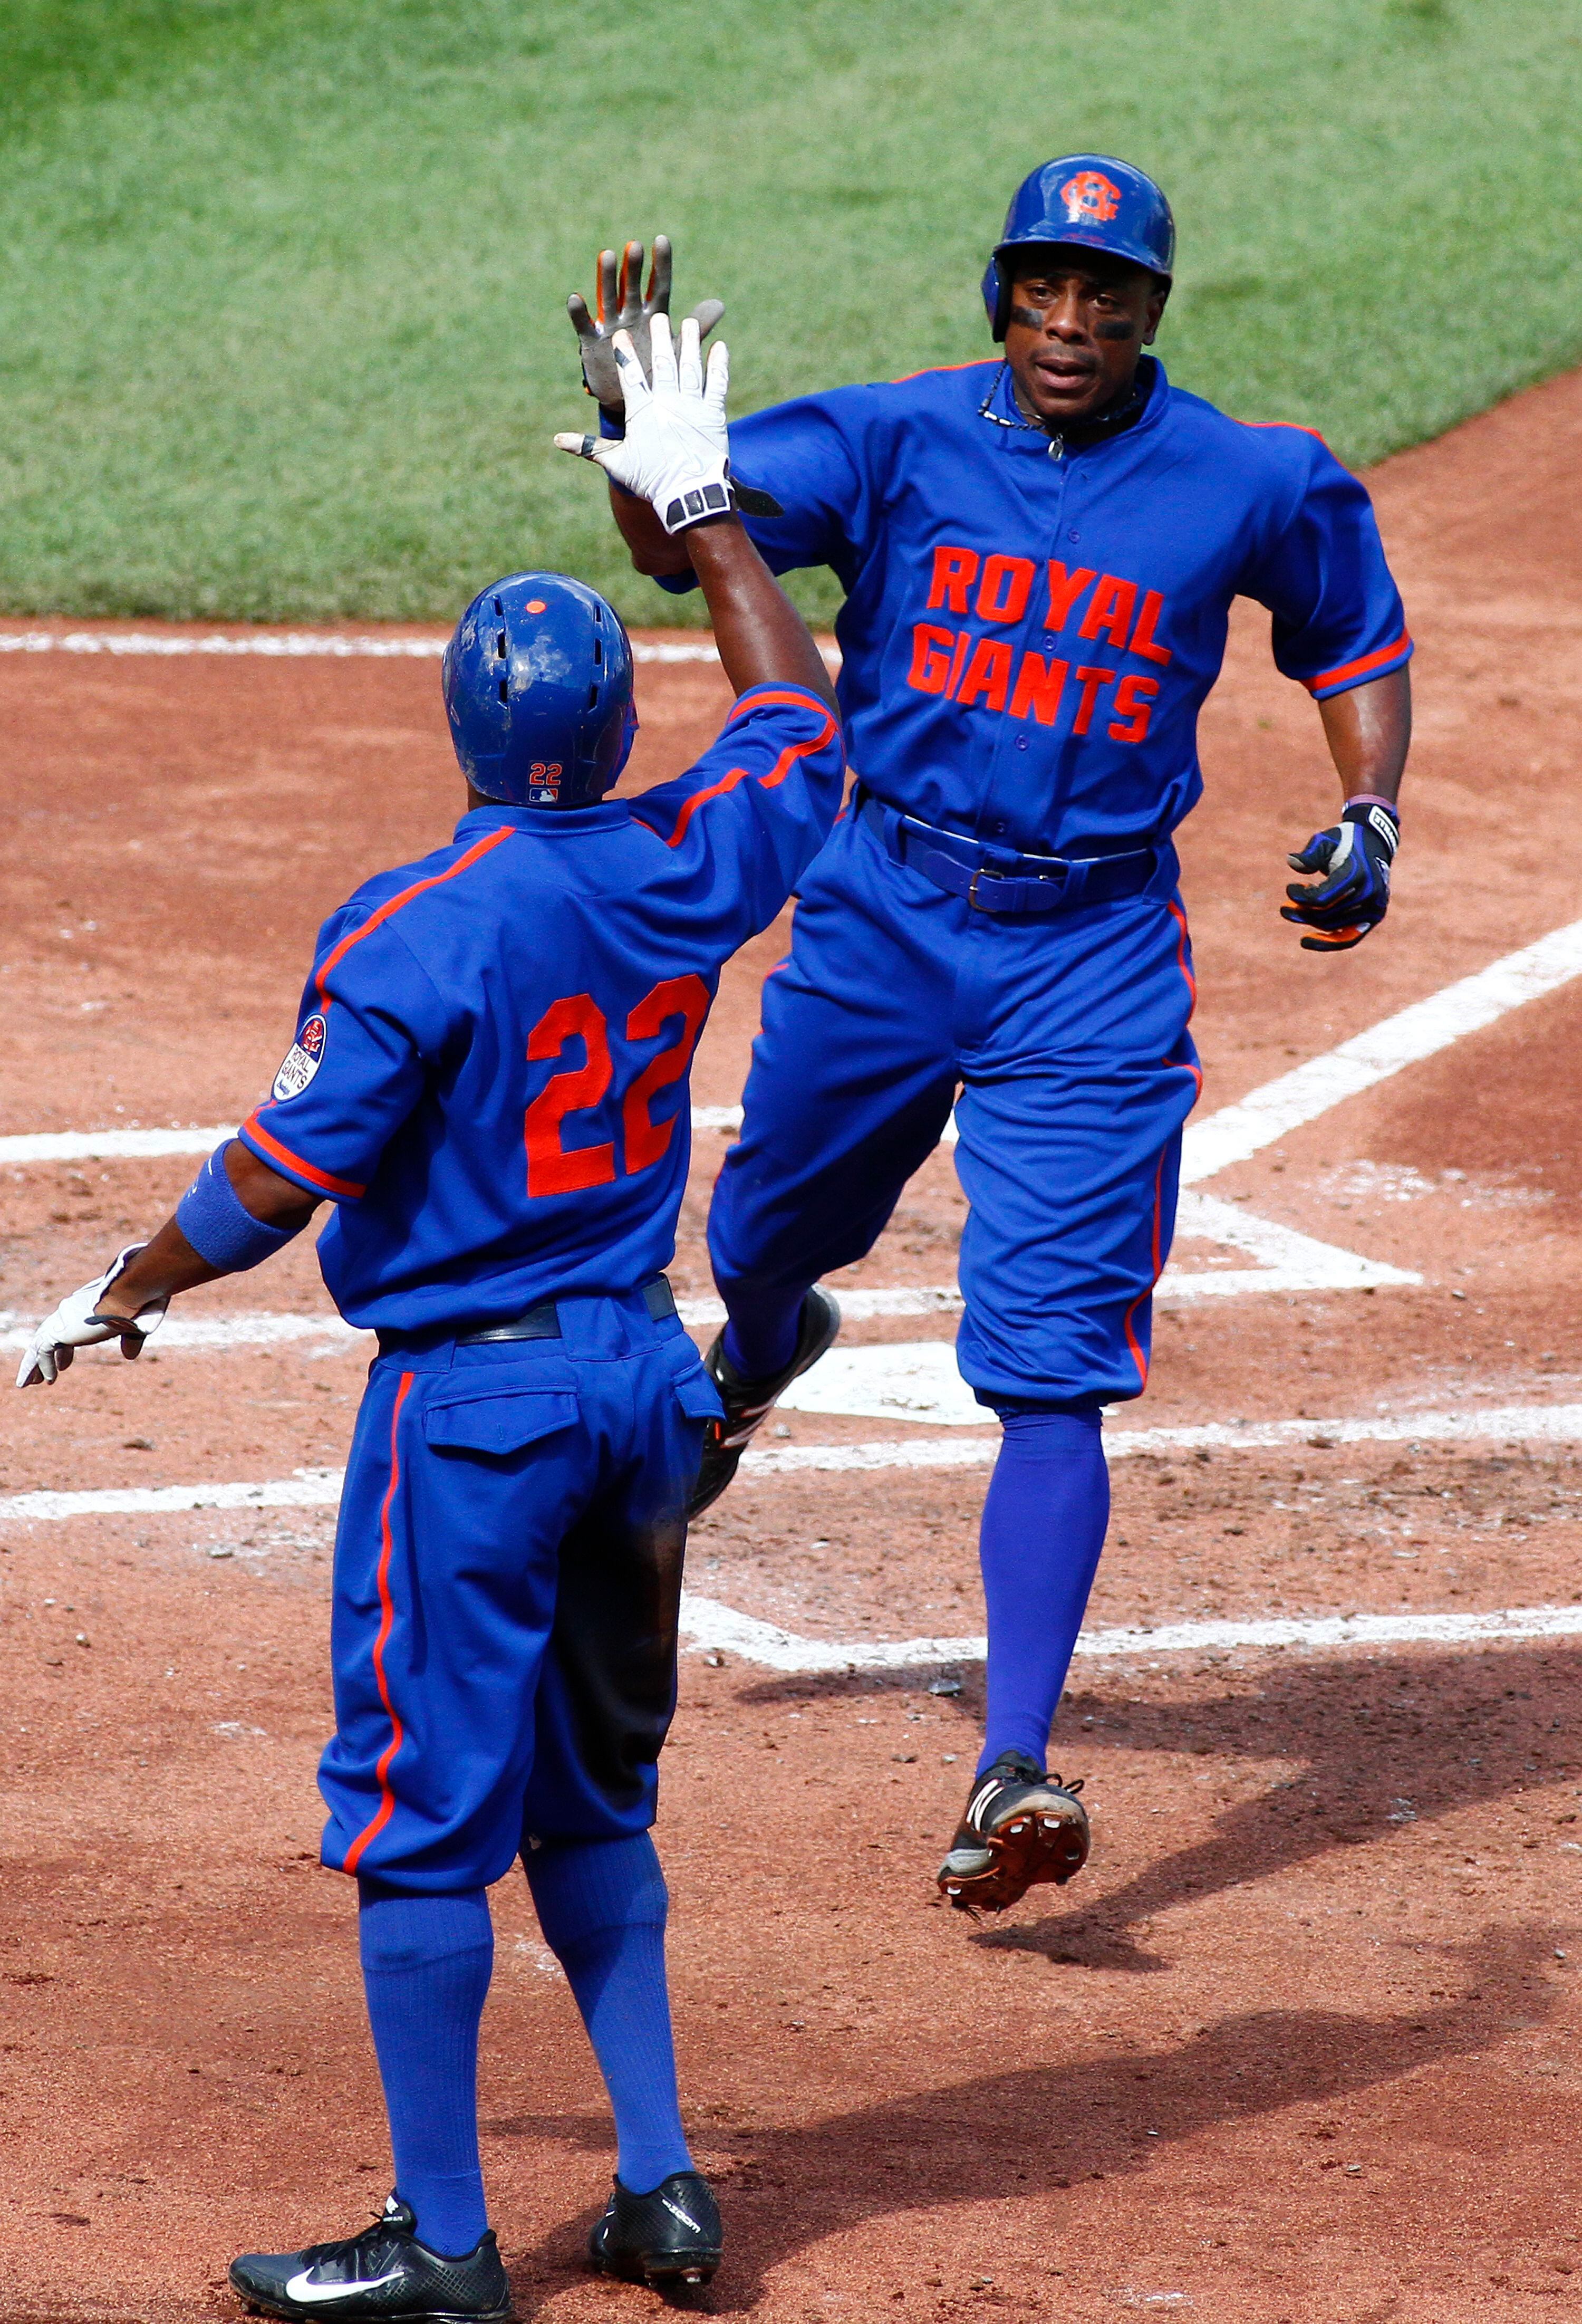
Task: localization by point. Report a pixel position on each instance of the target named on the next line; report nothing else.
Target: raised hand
(675, 453)
(622, 306)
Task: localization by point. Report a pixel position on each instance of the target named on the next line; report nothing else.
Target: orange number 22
(554, 1168)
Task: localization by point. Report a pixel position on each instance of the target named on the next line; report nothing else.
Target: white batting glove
(74, 1325)
(676, 450)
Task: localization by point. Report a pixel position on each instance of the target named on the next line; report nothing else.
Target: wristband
(611, 425)
(697, 505)
(218, 1225)
(1373, 799)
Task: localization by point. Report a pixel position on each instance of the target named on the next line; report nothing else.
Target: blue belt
(998, 879)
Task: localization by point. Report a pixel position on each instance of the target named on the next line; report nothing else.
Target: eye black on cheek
(1031, 317)
(1121, 327)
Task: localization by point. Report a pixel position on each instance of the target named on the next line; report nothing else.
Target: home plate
(914, 1380)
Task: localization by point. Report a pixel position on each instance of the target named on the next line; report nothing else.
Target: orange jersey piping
(323, 1179)
(1349, 670)
(386, 1808)
(393, 904)
(315, 1177)
(777, 773)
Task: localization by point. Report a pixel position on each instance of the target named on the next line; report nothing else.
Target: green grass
(280, 281)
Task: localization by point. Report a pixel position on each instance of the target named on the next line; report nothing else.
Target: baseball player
(489, 1083)
(1039, 552)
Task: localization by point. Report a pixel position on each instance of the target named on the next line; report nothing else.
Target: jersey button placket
(1005, 811)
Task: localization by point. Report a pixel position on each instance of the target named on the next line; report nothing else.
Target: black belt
(540, 1322)
(999, 880)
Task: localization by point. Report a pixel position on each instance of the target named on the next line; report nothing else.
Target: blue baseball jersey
(490, 1078)
(1030, 628)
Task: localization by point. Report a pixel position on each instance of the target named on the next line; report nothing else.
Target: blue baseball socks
(761, 1340)
(1043, 1524)
(427, 1962)
(601, 1904)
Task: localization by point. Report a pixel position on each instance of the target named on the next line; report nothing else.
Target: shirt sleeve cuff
(305, 1174)
(1347, 673)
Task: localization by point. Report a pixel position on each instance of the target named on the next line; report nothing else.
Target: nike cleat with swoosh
(384, 2273)
(1021, 1827)
(672, 2237)
(748, 1403)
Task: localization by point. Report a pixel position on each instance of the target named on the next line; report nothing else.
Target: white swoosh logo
(302, 2287)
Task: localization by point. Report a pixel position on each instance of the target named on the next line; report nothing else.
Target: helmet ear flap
(997, 298)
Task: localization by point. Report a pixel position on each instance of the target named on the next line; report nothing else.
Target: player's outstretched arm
(1368, 731)
(240, 1209)
(675, 457)
(761, 636)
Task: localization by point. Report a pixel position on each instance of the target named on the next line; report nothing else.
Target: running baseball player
(489, 1083)
(1039, 552)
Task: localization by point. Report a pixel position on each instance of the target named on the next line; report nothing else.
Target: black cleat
(748, 1403)
(671, 2237)
(384, 2273)
(1021, 1827)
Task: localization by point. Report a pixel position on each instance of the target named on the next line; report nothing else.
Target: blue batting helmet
(537, 690)
(1091, 199)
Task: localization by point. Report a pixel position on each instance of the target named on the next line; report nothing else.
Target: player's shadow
(1364, 1749)
(1043, 2128)
(1371, 1748)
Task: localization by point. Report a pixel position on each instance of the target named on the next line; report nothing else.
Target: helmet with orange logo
(537, 690)
(1091, 199)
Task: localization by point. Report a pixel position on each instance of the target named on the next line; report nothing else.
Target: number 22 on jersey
(554, 1168)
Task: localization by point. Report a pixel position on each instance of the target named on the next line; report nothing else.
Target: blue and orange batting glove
(1354, 856)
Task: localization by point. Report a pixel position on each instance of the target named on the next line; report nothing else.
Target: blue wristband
(218, 1225)
(611, 429)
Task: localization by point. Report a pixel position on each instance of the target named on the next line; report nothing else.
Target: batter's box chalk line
(709, 1627)
(1507, 1423)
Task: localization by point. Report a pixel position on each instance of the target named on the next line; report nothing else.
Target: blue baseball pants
(1067, 1037)
(506, 1587)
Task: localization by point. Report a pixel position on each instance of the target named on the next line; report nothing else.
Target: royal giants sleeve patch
(301, 1061)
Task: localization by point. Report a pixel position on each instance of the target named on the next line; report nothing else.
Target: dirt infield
(1302, 2043)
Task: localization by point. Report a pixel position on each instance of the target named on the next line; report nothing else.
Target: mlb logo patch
(301, 1061)
(1091, 197)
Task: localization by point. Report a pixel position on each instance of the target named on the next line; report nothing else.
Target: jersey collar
(544, 822)
(1145, 407)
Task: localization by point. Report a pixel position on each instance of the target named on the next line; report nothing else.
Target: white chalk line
(187, 1334)
(709, 1627)
(1291, 1262)
(310, 645)
(1517, 1424)
(321, 1487)
(293, 645)
(1236, 1132)
(1297, 1263)
(110, 1144)
(1266, 1115)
